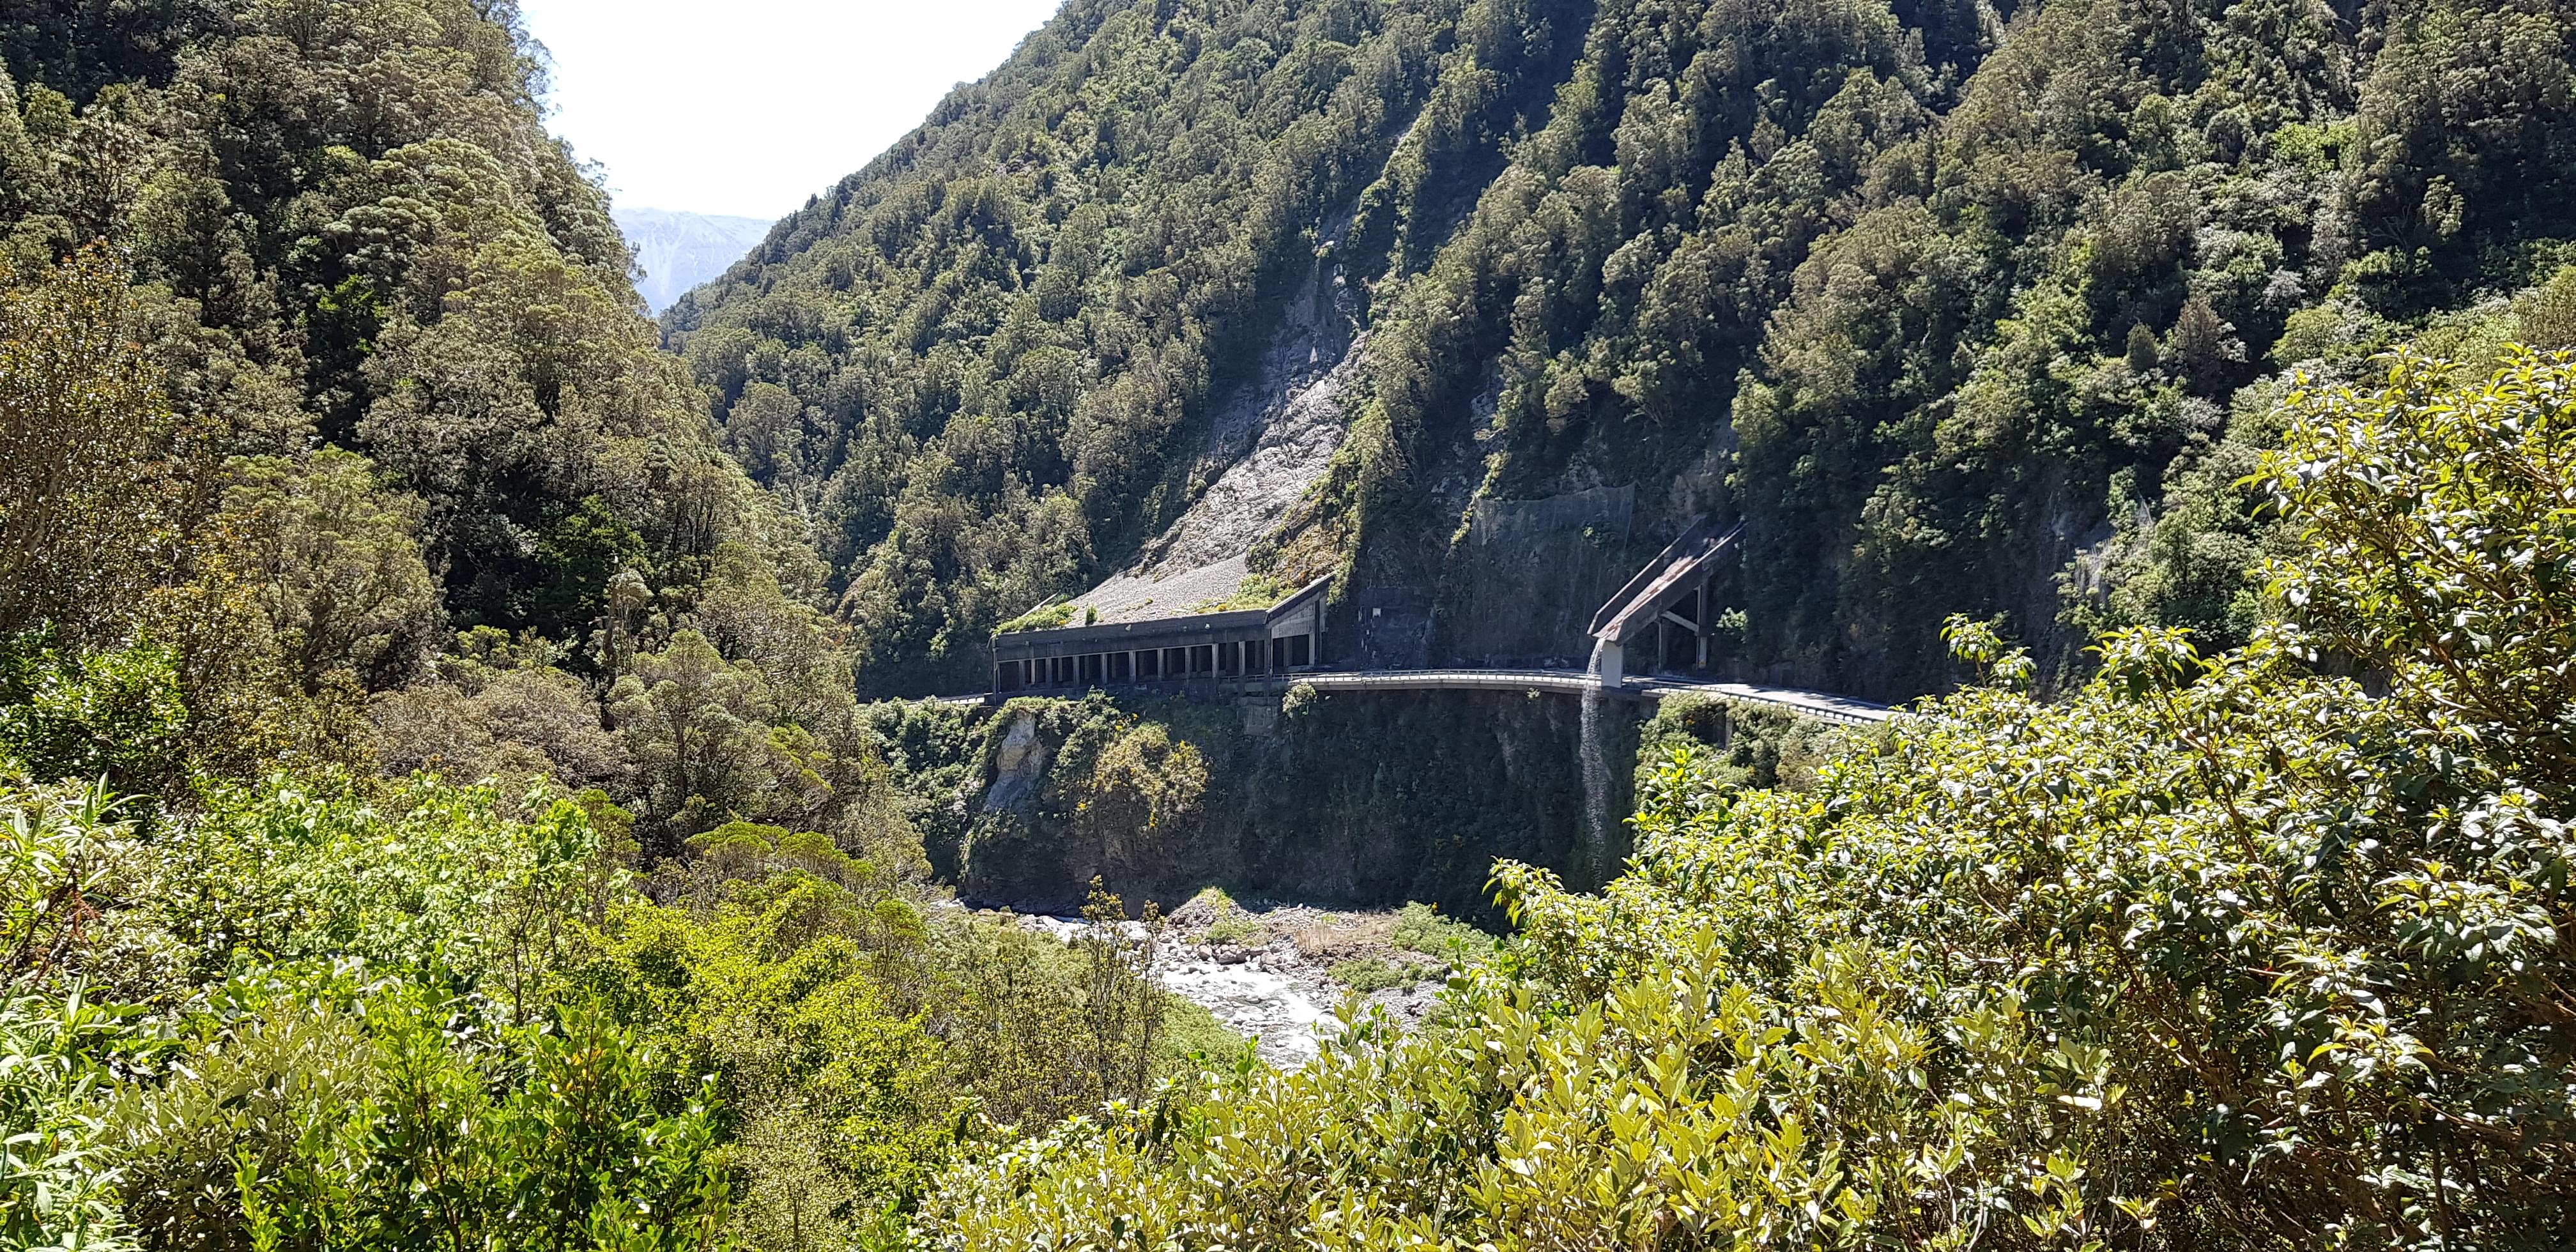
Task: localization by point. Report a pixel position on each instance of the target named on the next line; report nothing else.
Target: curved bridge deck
(1821, 705)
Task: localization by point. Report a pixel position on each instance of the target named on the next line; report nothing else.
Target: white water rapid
(1281, 1015)
(1286, 1017)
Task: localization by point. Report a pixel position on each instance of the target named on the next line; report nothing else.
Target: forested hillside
(437, 809)
(431, 811)
(338, 392)
(1951, 304)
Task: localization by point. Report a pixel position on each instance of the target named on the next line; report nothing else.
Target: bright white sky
(749, 106)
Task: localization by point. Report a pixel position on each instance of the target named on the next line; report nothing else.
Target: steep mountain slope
(320, 369)
(349, 226)
(677, 251)
(1937, 298)
(986, 366)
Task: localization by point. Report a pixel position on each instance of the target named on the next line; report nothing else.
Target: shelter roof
(1132, 597)
(1680, 564)
(1189, 598)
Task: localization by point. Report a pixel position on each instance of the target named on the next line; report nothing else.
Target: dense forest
(1954, 306)
(434, 813)
(438, 805)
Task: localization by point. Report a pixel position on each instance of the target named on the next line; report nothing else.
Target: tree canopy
(1950, 304)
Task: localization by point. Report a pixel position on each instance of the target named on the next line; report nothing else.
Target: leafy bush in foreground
(2238, 951)
(321, 1119)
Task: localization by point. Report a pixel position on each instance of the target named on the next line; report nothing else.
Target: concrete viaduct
(1664, 617)
(1823, 706)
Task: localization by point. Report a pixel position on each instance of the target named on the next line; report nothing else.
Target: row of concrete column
(1147, 665)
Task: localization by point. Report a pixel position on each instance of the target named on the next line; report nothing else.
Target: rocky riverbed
(1276, 973)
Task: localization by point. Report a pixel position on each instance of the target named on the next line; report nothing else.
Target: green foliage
(1858, 274)
(2439, 544)
(979, 356)
(764, 728)
(1122, 1006)
(319, 1122)
(339, 574)
(446, 882)
(498, 711)
(1189, 1038)
(1302, 698)
(352, 224)
(1043, 617)
(1370, 974)
(860, 1040)
(60, 846)
(1735, 743)
(1143, 780)
(63, 849)
(801, 998)
(107, 543)
(93, 465)
(312, 337)
(930, 750)
(1256, 591)
(116, 715)
(2547, 315)
(56, 1188)
(314, 346)
(1420, 928)
(1027, 1038)
(2220, 950)
(310, 334)
(370, 1013)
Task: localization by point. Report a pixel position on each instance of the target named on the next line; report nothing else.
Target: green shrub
(1255, 591)
(1420, 928)
(60, 1049)
(1748, 744)
(113, 714)
(1369, 974)
(58, 1185)
(1192, 1037)
(392, 1118)
(421, 876)
(1043, 617)
(1302, 698)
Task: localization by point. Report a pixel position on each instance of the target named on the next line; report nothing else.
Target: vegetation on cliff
(1961, 308)
(1365, 799)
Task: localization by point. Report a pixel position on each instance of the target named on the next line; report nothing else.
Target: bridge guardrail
(1823, 706)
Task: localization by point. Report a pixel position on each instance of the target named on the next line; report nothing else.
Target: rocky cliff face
(1351, 799)
(1354, 799)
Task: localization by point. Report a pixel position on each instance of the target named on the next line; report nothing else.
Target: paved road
(1818, 704)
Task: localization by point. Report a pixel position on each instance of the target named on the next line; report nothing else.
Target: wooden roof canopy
(1684, 563)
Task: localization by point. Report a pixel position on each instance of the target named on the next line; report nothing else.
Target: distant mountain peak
(678, 250)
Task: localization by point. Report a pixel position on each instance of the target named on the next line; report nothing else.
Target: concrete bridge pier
(1609, 661)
